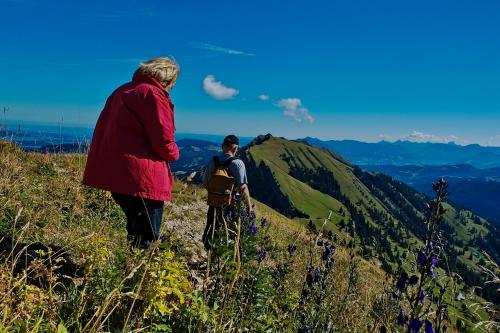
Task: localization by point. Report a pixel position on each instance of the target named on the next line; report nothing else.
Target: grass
(120, 290)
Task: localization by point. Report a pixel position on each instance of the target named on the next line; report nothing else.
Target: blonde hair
(164, 69)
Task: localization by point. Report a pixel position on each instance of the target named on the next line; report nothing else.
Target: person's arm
(245, 193)
(154, 112)
(240, 174)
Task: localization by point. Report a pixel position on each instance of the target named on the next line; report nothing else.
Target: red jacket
(133, 142)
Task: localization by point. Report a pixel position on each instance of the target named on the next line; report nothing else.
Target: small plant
(493, 310)
(164, 287)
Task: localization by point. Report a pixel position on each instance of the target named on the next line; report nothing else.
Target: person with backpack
(132, 146)
(225, 178)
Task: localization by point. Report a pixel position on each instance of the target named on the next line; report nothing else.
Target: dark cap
(231, 140)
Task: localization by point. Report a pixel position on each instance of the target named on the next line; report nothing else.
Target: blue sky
(367, 70)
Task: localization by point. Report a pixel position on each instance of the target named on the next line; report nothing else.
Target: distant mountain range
(411, 153)
(194, 154)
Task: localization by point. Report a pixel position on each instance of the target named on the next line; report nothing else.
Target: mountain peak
(259, 139)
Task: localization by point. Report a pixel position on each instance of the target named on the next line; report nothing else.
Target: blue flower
(319, 242)
(402, 318)
(292, 248)
(421, 257)
(413, 280)
(329, 266)
(401, 283)
(428, 327)
(253, 229)
(415, 325)
(262, 256)
(317, 275)
(327, 253)
(252, 216)
(434, 261)
(422, 296)
(430, 247)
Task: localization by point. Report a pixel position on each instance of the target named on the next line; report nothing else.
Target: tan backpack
(221, 184)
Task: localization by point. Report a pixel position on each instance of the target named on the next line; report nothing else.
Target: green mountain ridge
(306, 183)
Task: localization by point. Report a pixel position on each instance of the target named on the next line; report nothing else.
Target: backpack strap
(228, 161)
(216, 161)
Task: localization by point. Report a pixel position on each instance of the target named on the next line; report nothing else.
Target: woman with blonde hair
(132, 146)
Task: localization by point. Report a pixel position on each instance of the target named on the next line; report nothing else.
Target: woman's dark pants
(143, 218)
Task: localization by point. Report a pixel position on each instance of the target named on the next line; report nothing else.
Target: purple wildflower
(329, 266)
(415, 325)
(434, 261)
(422, 296)
(319, 242)
(401, 283)
(262, 255)
(402, 318)
(327, 253)
(317, 275)
(253, 229)
(292, 248)
(421, 258)
(430, 247)
(428, 327)
(413, 280)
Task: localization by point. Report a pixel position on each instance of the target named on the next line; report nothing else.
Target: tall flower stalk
(418, 287)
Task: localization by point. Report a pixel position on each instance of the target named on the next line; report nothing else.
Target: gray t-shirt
(236, 169)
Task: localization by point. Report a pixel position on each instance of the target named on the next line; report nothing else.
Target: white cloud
(385, 137)
(264, 97)
(417, 136)
(220, 49)
(217, 90)
(293, 108)
(494, 141)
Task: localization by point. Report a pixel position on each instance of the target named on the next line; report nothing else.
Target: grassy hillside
(388, 215)
(66, 266)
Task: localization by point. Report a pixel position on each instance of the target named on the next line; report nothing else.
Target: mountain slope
(306, 182)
